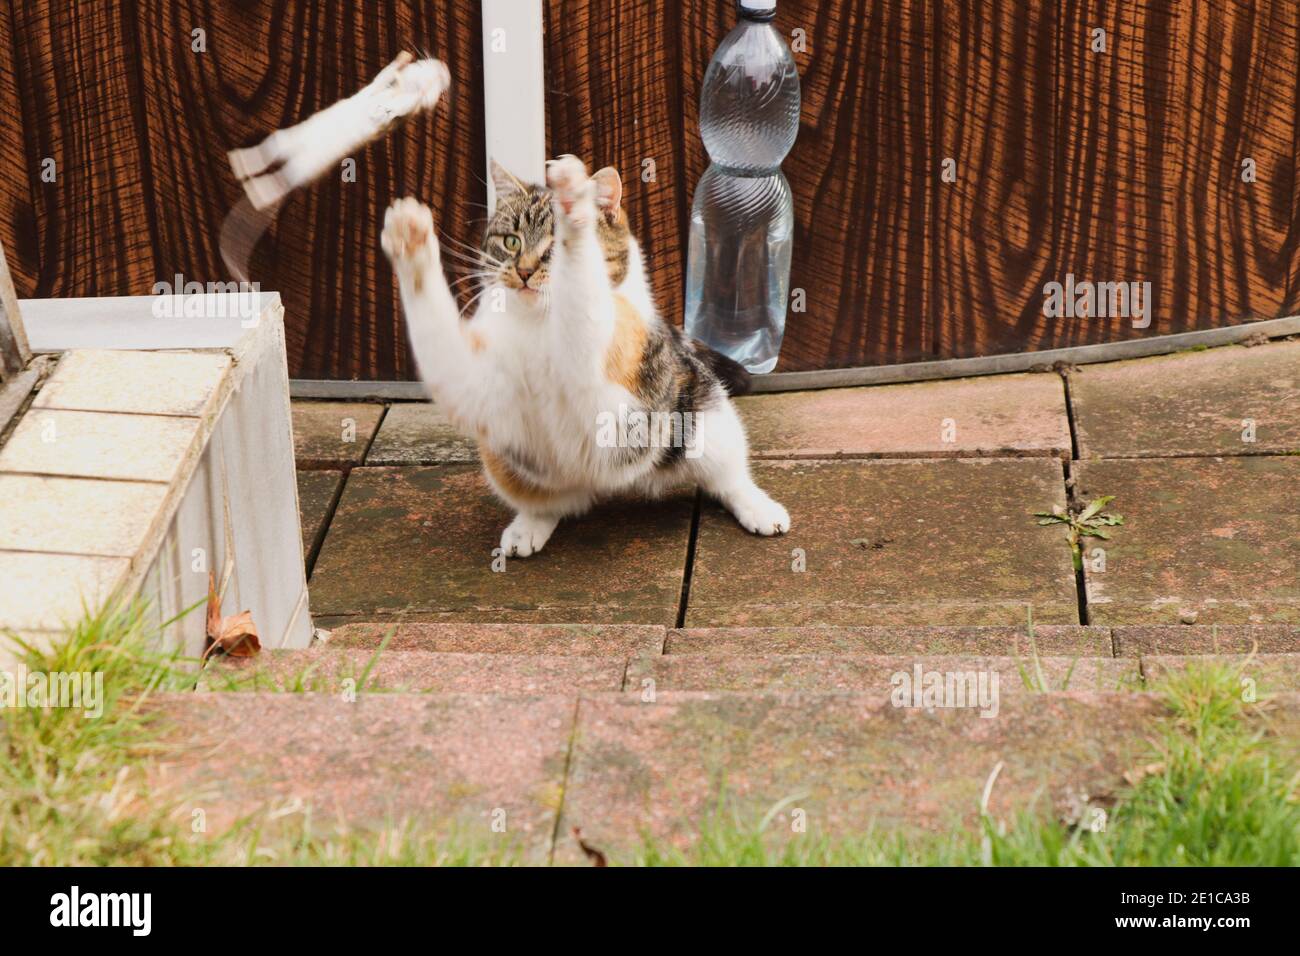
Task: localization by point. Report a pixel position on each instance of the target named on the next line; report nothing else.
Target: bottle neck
(757, 11)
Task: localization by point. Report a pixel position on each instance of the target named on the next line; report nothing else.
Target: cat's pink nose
(524, 274)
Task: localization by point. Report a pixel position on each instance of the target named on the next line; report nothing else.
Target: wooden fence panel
(1115, 166)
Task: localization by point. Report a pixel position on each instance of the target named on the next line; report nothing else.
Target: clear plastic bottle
(742, 217)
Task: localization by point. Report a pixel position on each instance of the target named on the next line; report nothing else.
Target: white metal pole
(514, 88)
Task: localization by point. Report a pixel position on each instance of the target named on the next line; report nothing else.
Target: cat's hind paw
(408, 238)
(762, 515)
(574, 190)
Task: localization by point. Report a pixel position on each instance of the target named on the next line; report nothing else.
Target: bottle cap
(760, 10)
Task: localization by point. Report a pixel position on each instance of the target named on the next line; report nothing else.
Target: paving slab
(1190, 403)
(1168, 639)
(442, 763)
(99, 445)
(333, 433)
(1061, 640)
(1260, 673)
(891, 542)
(316, 493)
(849, 761)
(158, 383)
(996, 416)
(420, 540)
(875, 673)
(1204, 541)
(594, 640)
(328, 669)
(419, 434)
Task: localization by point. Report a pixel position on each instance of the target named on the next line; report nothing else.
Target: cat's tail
(735, 378)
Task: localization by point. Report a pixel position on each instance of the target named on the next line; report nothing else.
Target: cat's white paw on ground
(408, 238)
(574, 191)
(526, 535)
(762, 515)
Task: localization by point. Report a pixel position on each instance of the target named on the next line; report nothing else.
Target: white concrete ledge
(159, 450)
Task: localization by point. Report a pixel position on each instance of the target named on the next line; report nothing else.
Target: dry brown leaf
(596, 857)
(235, 635)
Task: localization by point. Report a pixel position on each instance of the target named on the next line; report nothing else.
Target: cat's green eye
(511, 243)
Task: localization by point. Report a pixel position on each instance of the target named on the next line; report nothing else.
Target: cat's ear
(505, 181)
(609, 190)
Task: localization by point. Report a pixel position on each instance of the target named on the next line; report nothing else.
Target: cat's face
(517, 243)
(520, 234)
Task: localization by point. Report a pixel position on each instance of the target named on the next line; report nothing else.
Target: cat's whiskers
(473, 301)
(461, 268)
(459, 256)
(463, 246)
(482, 276)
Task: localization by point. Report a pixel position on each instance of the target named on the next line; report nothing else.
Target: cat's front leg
(581, 298)
(446, 353)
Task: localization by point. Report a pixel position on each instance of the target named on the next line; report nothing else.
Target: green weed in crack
(1090, 521)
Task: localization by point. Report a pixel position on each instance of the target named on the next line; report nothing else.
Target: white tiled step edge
(138, 470)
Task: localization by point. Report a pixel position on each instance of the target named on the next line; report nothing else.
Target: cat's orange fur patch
(519, 489)
(623, 358)
(476, 343)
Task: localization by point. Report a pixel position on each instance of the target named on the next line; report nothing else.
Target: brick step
(599, 640)
(881, 673)
(1062, 640)
(617, 766)
(328, 669)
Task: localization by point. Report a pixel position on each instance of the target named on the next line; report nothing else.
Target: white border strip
(514, 89)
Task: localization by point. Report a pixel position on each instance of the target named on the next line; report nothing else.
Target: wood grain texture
(614, 98)
(1116, 166)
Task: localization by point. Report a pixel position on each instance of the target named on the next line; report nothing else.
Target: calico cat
(573, 386)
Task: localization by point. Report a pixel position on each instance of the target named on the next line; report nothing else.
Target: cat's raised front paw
(408, 238)
(575, 192)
